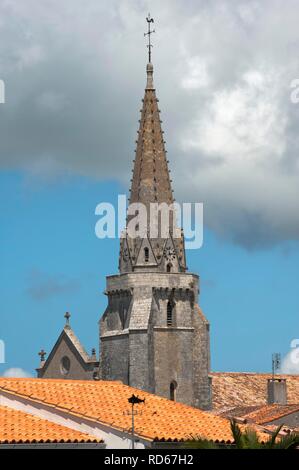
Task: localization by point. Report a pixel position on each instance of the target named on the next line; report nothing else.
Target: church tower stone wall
(153, 333)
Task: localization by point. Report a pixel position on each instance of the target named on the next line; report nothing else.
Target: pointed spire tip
(149, 73)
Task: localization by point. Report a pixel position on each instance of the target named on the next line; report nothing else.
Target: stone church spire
(151, 185)
(151, 181)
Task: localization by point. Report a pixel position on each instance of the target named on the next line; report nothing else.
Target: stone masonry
(153, 333)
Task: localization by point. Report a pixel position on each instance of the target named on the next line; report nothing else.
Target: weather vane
(149, 32)
(134, 400)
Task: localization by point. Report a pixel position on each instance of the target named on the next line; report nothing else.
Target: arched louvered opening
(170, 307)
(172, 390)
(146, 254)
(168, 268)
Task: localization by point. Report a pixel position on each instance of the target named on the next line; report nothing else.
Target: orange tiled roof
(237, 411)
(19, 427)
(260, 414)
(284, 430)
(106, 402)
(268, 413)
(232, 389)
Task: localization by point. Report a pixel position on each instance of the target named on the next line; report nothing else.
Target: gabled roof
(266, 414)
(261, 414)
(106, 402)
(19, 427)
(232, 389)
(69, 334)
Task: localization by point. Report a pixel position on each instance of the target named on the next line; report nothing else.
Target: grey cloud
(42, 286)
(75, 71)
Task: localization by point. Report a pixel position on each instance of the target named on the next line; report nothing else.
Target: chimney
(277, 391)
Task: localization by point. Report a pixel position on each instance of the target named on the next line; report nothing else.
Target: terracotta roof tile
(232, 389)
(285, 430)
(106, 402)
(261, 414)
(19, 427)
(268, 413)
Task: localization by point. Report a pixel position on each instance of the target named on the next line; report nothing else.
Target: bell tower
(153, 333)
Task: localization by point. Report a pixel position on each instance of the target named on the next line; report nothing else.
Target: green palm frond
(237, 434)
(290, 441)
(271, 443)
(250, 440)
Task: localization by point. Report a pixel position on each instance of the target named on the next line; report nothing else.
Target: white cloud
(241, 123)
(290, 363)
(16, 372)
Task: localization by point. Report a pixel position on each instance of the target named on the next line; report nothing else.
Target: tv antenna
(276, 361)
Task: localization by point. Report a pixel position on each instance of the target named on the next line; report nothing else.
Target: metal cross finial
(149, 32)
(42, 355)
(67, 318)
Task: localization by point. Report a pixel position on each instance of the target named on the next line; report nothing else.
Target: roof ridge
(77, 343)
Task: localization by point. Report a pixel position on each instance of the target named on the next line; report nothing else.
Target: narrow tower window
(169, 314)
(172, 390)
(146, 254)
(169, 268)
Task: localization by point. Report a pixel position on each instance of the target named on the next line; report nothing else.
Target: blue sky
(51, 262)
